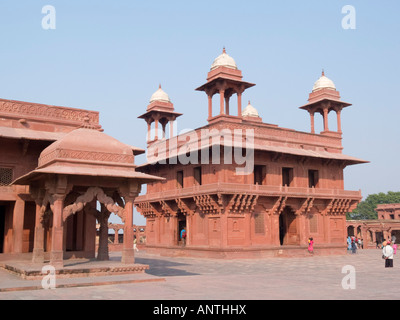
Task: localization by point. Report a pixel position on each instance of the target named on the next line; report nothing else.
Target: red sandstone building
(59, 173)
(294, 188)
(373, 232)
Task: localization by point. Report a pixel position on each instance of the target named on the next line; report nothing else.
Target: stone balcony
(260, 190)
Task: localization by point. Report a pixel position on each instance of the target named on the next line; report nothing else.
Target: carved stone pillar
(148, 130)
(38, 242)
(116, 240)
(57, 240)
(221, 102)
(128, 254)
(312, 122)
(209, 106)
(326, 127)
(18, 225)
(339, 123)
(239, 97)
(102, 254)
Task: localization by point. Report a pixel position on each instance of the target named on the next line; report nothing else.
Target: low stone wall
(246, 253)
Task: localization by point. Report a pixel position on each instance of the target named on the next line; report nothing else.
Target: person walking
(394, 246)
(183, 236)
(311, 245)
(387, 254)
(353, 246)
(348, 244)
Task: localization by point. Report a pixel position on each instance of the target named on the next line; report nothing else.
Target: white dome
(224, 60)
(160, 95)
(323, 82)
(250, 111)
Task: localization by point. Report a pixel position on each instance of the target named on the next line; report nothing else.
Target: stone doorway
(396, 234)
(288, 230)
(181, 225)
(350, 231)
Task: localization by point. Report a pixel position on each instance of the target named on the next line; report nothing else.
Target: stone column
(57, 253)
(209, 106)
(116, 240)
(148, 131)
(171, 128)
(164, 124)
(156, 130)
(339, 123)
(102, 254)
(239, 97)
(221, 102)
(38, 242)
(312, 122)
(326, 127)
(18, 225)
(227, 105)
(128, 254)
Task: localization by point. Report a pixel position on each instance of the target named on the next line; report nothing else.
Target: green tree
(366, 208)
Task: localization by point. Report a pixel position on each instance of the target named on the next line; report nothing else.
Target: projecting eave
(20, 133)
(315, 102)
(87, 171)
(305, 153)
(137, 151)
(168, 113)
(213, 82)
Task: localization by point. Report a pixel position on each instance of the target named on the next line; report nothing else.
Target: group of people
(354, 243)
(389, 248)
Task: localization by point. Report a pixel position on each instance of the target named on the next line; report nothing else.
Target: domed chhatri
(87, 146)
(224, 79)
(224, 60)
(250, 111)
(323, 99)
(160, 95)
(323, 82)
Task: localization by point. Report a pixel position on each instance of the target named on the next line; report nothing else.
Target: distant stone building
(294, 188)
(373, 232)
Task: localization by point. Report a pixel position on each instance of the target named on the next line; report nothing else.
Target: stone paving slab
(308, 278)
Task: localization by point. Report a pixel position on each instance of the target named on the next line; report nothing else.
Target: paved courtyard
(179, 278)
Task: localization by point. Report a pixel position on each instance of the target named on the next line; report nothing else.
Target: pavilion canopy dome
(87, 145)
(323, 82)
(160, 95)
(250, 111)
(224, 60)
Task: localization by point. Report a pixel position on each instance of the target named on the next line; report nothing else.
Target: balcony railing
(231, 188)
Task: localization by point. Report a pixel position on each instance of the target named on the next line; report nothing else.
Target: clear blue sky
(110, 56)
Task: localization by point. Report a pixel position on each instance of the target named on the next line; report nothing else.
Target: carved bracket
(207, 204)
(91, 194)
(240, 203)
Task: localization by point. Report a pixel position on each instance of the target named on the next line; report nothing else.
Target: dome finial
(223, 50)
(323, 72)
(159, 86)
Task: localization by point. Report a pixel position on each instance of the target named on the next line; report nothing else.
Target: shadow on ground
(164, 268)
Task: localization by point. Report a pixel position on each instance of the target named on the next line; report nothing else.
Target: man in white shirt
(387, 252)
